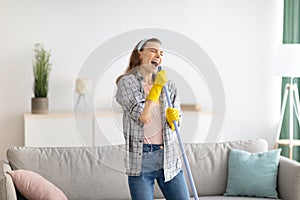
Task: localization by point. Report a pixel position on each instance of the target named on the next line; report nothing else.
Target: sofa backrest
(80, 172)
(208, 163)
(98, 172)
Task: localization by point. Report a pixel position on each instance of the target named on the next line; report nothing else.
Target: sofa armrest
(7, 188)
(288, 179)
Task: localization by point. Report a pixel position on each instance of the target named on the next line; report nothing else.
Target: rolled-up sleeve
(130, 96)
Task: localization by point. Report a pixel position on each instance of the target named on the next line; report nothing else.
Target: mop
(186, 162)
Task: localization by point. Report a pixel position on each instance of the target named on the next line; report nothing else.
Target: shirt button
(141, 140)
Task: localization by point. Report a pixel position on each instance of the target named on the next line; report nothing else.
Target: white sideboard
(64, 129)
(53, 129)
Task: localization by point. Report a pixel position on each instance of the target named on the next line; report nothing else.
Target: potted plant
(41, 72)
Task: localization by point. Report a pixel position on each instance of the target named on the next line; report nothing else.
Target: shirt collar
(139, 76)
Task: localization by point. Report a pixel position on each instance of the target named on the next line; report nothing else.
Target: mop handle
(186, 162)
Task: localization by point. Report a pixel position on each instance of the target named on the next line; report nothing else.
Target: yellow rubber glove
(160, 80)
(171, 115)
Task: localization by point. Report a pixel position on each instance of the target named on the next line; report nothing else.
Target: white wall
(238, 35)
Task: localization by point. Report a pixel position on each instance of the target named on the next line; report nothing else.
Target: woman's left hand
(171, 115)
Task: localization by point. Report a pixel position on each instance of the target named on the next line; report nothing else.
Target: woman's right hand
(160, 81)
(161, 78)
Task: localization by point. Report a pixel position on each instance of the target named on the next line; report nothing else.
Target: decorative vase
(39, 105)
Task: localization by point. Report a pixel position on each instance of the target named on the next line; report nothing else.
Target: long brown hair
(134, 60)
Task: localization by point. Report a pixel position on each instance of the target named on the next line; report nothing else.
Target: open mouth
(155, 63)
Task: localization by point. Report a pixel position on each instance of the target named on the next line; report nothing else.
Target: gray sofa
(86, 173)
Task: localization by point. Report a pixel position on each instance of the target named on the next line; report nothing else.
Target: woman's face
(151, 57)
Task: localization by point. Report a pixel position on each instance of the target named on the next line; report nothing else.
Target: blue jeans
(142, 187)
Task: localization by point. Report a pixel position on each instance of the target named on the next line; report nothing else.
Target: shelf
(49, 115)
(190, 109)
(58, 114)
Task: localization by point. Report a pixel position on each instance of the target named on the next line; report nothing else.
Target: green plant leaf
(41, 71)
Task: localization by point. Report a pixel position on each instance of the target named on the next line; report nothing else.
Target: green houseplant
(41, 72)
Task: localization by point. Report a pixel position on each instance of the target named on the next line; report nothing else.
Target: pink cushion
(33, 186)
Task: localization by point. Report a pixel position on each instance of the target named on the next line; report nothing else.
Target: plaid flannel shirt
(130, 95)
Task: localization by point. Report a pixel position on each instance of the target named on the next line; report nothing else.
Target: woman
(151, 150)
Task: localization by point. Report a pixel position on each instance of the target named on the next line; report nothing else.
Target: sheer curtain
(291, 35)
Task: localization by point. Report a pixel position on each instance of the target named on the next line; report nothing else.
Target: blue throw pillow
(252, 174)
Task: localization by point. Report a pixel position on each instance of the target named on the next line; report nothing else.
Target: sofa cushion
(252, 174)
(223, 198)
(208, 163)
(33, 186)
(231, 198)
